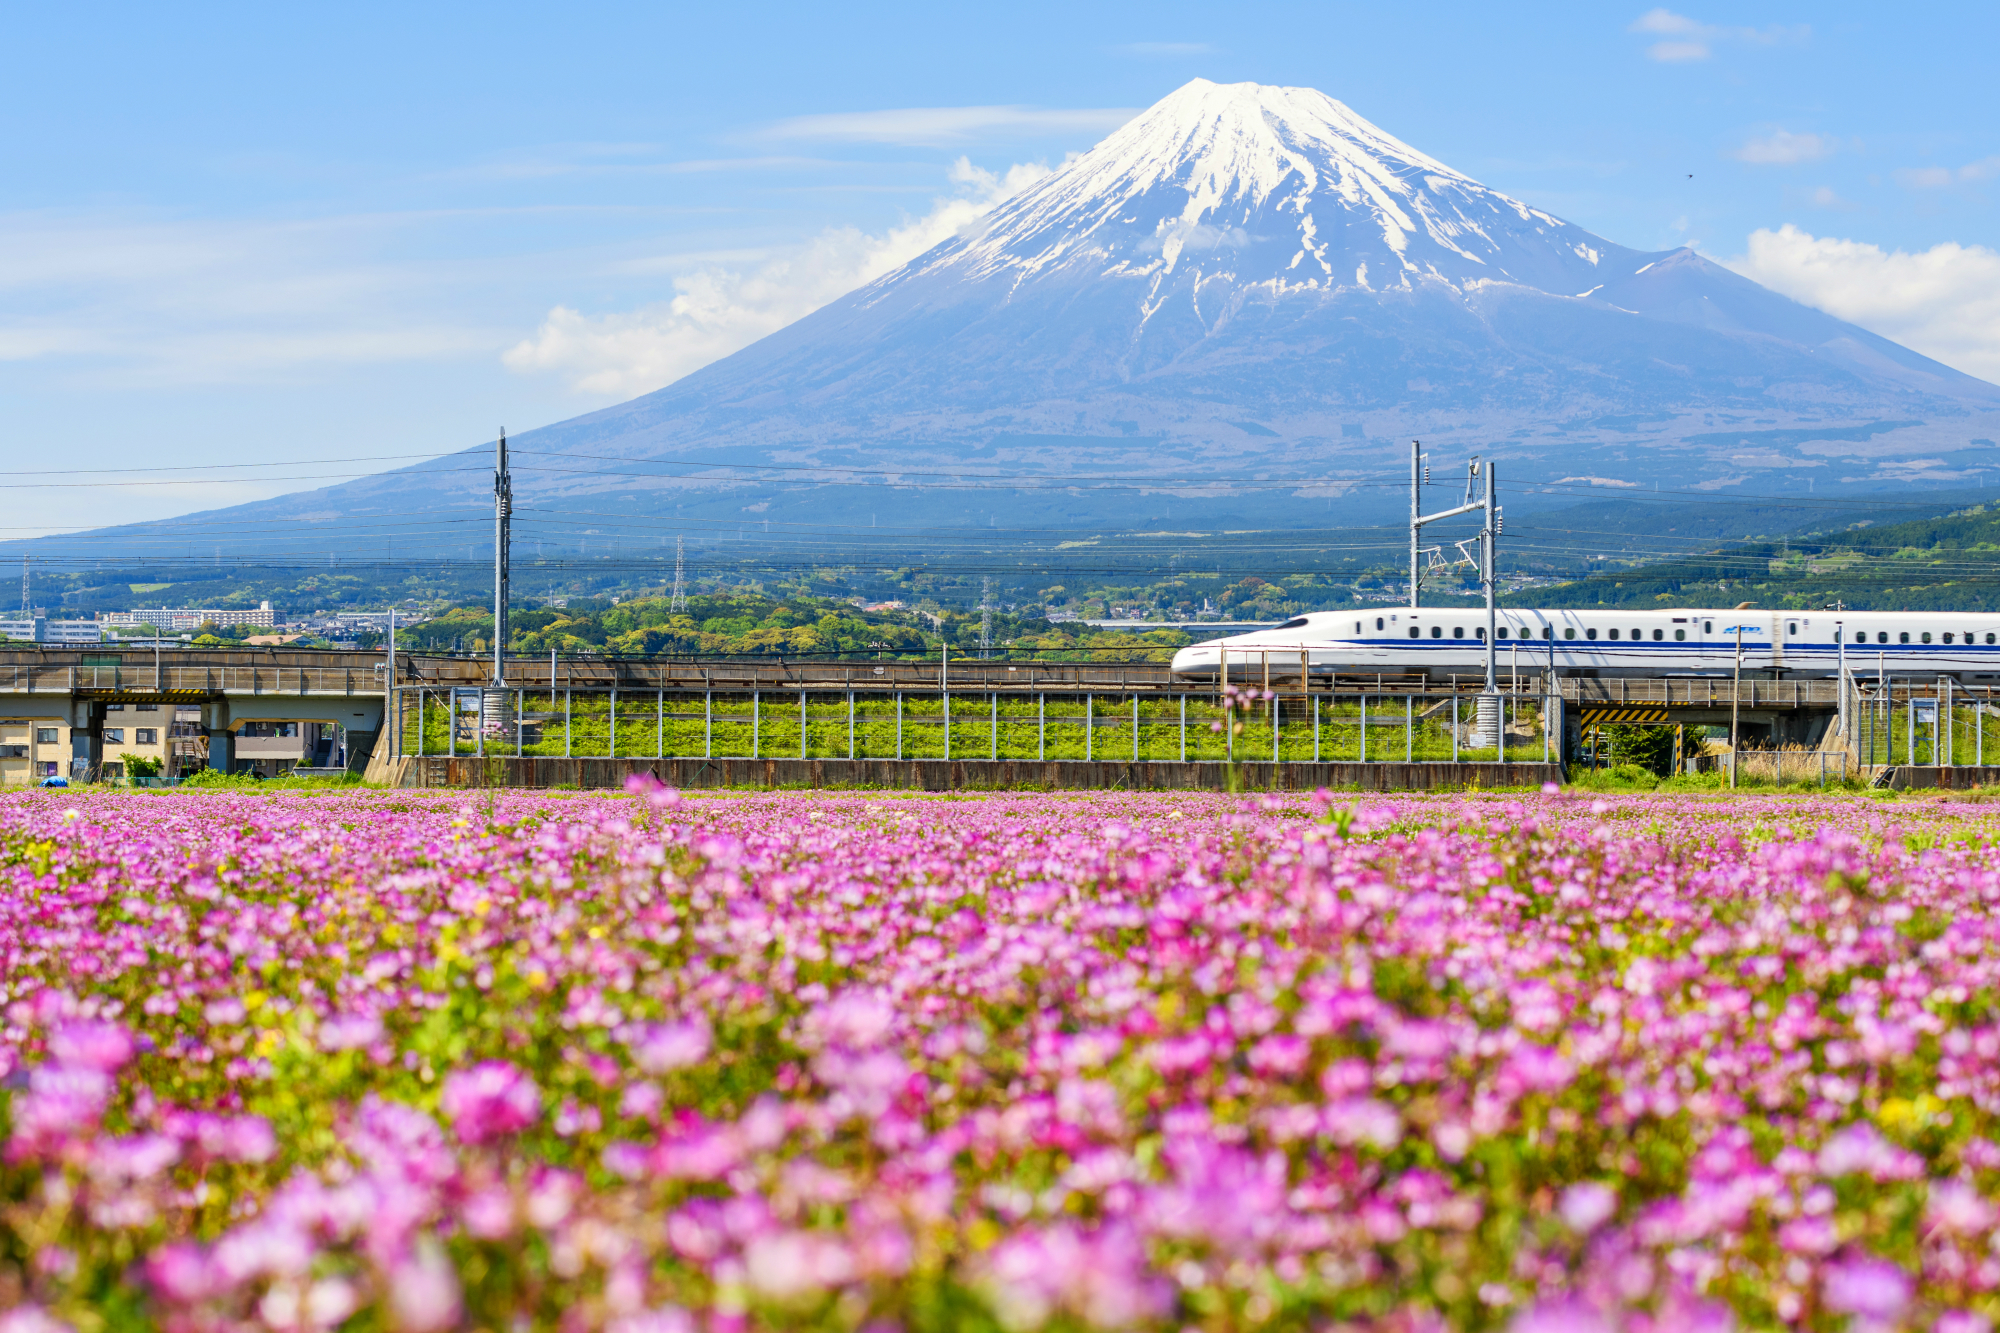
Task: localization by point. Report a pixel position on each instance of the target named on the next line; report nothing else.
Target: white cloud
(1687, 39)
(1826, 197)
(1936, 178)
(1784, 148)
(1943, 302)
(931, 126)
(718, 310)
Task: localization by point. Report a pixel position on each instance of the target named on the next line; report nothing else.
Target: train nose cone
(1199, 657)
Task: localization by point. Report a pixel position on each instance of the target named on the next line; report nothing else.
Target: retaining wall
(967, 774)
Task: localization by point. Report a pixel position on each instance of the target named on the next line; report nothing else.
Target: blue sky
(257, 234)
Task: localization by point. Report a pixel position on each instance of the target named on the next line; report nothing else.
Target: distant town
(171, 626)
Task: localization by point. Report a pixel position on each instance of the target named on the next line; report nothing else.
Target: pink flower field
(385, 1060)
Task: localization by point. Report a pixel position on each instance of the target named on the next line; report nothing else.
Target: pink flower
(1280, 1056)
(1587, 1206)
(660, 1047)
(1868, 1287)
(90, 1044)
(423, 1290)
(490, 1100)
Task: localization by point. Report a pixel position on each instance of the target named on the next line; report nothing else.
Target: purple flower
(490, 1100)
(1868, 1287)
(423, 1290)
(1587, 1206)
(90, 1044)
(660, 1047)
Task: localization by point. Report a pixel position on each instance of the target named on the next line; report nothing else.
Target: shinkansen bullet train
(1452, 642)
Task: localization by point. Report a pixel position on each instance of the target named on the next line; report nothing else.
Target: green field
(981, 727)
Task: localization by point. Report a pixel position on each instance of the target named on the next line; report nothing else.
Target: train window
(1680, 634)
(1415, 632)
(1836, 636)
(1437, 631)
(1590, 634)
(1479, 633)
(1989, 638)
(1614, 633)
(1549, 633)
(1927, 636)
(1659, 634)
(1458, 631)
(1503, 631)
(1791, 627)
(1638, 634)
(1947, 636)
(1708, 627)
(1357, 627)
(1903, 637)
(1378, 622)
(1883, 637)
(1570, 632)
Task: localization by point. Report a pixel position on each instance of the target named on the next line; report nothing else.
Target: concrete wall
(964, 775)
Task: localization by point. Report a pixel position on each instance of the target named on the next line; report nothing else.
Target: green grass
(978, 730)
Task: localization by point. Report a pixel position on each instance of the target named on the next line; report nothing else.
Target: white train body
(1452, 642)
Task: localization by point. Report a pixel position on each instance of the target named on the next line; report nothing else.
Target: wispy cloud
(1681, 38)
(1944, 301)
(1166, 49)
(1826, 197)
(1783, 148)
(719, 308)
(935, 126)
(131, 300)
(1936, 178)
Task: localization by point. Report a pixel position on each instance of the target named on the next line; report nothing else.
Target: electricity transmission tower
(985, 616)
(679, 602)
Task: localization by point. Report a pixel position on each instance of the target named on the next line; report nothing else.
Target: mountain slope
(1249, 281)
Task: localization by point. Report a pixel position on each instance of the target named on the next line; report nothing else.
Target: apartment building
(135, 731)
(180, 618)
(33, 748)
(24, 629)
(73, 631)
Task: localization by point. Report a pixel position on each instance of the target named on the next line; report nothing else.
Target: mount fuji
(1240, 306)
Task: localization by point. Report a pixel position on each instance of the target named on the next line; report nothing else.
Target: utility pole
(679, 602)
(1735, 705)
(503, 515)
(1489, 714)
(985, 616)
(1416, 511)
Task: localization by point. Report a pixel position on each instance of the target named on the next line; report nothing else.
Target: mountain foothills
(1235, 311)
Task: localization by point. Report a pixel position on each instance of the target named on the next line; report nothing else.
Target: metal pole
(1454, 725)
(1840, 650)
(569, 727)
(1089, 727)
(756, 724)
(1042, 725)
(1910, 726)
(503, 513)
(1184, 730)
(420, 722)
(611, 747)
(1979, 729)
(944, 690)
(802, 724)
(994, 747)
(899, 724)
(389, 688)
(1735, 702)
(1889, 709)
(708, 723)
(1416, 508)
(1409, 729)
(1489, 537)
(520, 727)
(1135, 728)
(1364, 728)
(660, 729)
(850, 725)
(1277, 707)
(1315, 707)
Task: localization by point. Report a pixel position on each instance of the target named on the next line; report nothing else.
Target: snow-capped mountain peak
(1269, 185)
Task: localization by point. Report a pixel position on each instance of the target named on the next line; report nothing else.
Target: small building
(24, 629)
(73, 631)
(135, 731)
(33, 748)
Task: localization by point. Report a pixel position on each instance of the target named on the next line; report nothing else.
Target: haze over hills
(1235, 310)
